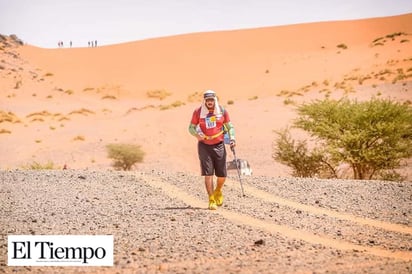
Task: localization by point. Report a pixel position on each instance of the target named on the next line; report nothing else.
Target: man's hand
(232, 143)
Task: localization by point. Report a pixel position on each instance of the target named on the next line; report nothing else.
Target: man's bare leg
(220, 182)
(209, 189)
(209, 184)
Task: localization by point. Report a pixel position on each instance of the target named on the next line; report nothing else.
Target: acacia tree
(125, 156)
(296, 154)
(370, 136)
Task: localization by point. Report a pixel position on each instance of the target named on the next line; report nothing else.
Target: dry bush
(18, 84)
(38, 166)
(172, 105)
(82, 111)
(8, 117)
(158, 93)
(283, 93)
(125, 156)
(40, 113)
(140, 109)
(111, 97)
(195, 97)
(176, 104)
(79, 138)
(288, 101)
(342, 46)
(64, 118)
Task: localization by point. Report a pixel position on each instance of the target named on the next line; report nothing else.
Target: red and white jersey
(211, 125)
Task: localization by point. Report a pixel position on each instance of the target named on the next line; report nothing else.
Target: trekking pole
(238, 170)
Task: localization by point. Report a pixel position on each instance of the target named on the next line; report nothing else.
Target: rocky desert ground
(161, 223)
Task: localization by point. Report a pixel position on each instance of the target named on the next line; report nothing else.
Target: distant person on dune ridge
(208, 124)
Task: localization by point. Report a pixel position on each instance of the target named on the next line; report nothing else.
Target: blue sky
(44, 22)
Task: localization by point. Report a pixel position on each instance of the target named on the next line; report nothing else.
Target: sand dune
(69, 103)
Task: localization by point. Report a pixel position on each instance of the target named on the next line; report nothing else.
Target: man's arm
(199, 135)
(193, 125)
(192, 129)
(231, 130)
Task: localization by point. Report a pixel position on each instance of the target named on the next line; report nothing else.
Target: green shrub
(391, 176)
(296, 155)
(125, 156)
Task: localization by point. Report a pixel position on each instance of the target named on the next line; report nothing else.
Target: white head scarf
(204, 111)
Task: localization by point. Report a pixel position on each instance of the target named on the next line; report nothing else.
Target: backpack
(226, 137)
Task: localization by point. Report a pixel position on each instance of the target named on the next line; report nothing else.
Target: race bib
(210, 122)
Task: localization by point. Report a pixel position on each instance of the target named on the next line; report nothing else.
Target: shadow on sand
(185, 208)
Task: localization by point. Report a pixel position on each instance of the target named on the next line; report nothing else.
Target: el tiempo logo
(60, 250)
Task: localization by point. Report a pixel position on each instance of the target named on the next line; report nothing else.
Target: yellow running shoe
(212, 203)
(218, 197)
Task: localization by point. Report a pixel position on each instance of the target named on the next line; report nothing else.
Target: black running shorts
(212, 159)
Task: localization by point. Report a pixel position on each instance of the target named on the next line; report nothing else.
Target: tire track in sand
(267, 197)
(243, 219)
